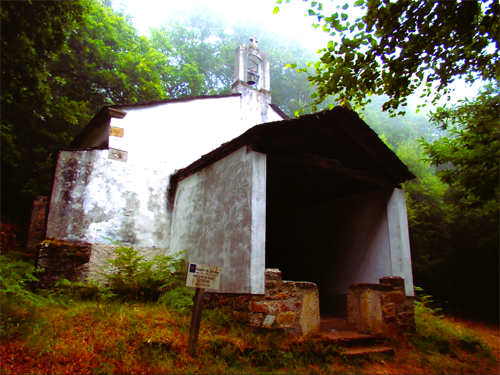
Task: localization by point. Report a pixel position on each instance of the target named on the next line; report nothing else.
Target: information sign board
(203, 276)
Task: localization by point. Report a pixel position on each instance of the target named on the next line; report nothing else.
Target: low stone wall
(80, 261)
(380, 309)
(290, 306)
(60, 259)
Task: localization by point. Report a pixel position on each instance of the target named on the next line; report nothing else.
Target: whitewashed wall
(179, 133)
(124, 197)
(219, 218)
(95, 198)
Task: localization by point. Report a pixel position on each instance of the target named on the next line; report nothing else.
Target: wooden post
(195, 321)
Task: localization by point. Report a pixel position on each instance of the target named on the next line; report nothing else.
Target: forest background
(62, 61)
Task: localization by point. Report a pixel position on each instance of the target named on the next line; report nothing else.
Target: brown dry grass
(91, 337)
(407, 360)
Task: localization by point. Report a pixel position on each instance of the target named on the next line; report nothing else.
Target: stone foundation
(290, 306)
(60, 259)
(379, 309)
(79, 261)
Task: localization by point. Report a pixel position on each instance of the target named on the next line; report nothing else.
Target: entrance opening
(327, 228)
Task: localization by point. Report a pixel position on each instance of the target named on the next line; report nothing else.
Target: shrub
(435, 333)
(131, 277)
(17, 301)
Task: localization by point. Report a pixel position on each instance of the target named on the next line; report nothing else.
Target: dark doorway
(299, 200)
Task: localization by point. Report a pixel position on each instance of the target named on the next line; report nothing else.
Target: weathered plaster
(95, 198)
(258, 228)
(399, 239)
(219, 218)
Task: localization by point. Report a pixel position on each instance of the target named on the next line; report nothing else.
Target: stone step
(364, 351)
(333, 323)
(348, 338)
(355, 344)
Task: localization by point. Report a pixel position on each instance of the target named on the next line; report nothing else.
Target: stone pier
(379, 309)
(290, 306)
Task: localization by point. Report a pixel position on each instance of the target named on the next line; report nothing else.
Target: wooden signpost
(199, 276)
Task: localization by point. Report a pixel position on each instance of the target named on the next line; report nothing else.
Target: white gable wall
(125, 199)
(219, 218)
(179, 133)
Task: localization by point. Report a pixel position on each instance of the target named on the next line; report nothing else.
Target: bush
(436, 333)
(17, 301)
(131, 277)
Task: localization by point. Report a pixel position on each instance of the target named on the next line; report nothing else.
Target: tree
(471, 153)
(200, 53)
(53, 84)
(201, 47)
(397, 47)
(32, 34)
(468, 158)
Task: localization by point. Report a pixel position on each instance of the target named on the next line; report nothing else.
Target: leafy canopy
(397, 47)
(471, 152)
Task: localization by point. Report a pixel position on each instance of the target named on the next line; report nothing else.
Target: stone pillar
(380, 309)
(36, 232)
(399, 239)
(289, 306)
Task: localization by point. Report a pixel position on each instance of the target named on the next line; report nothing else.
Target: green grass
(91, 330)
(149, 338)
(113, 337)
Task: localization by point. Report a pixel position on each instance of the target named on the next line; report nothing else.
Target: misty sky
(290, 20)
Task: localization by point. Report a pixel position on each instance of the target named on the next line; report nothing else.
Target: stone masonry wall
(379, 309)
(291, 306)
(37, 223)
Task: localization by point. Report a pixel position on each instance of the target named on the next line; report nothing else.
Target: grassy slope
(113, 337)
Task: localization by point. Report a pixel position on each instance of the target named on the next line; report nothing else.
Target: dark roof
(324, 146)
(103, 116)
(162, 101)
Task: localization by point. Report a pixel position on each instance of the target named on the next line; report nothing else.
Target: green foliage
(200, 51)
(17, 300)
(468, 162)
(471, 152)
(90, 290)
(436, 334)
(131, 277)
(397, 47)
(63, 61)
(179, 298)
(16, 279)
(33, 33)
